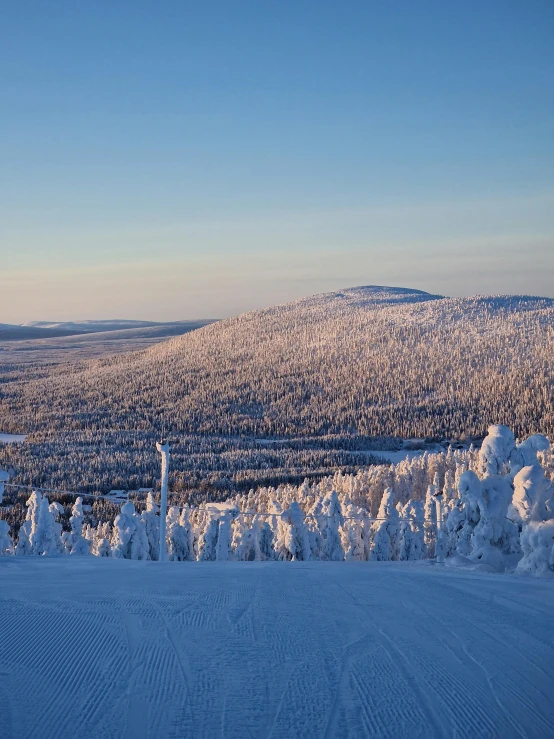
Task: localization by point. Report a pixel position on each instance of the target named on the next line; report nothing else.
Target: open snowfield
(114, 648)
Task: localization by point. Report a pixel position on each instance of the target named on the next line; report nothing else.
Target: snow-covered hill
(371, 361)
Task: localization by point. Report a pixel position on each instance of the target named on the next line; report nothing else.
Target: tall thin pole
(163, 448)
(439, 543)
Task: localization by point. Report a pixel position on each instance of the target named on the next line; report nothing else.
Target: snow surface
(115, 648)
(12, 438)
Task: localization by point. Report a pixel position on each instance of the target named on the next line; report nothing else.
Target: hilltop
(322, 372)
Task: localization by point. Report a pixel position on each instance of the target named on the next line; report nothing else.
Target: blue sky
(183, 159)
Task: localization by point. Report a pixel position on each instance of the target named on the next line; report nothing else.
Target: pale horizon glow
(179, 163)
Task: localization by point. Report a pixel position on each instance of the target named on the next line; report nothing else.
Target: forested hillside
(365, 362)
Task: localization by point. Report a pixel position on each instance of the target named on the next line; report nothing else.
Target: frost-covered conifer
(333, 520)
(430, 512)
(412, 532)
(151, 519)
(129, 540)
(177, 538)
(6, 543)
(294, 543)
(207, 545)
(384, 545)
(24, 546)
(265, 543)
(354, 532)
(533, 507)
(80, 545)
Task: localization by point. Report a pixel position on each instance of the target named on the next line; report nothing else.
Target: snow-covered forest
(279, 394)
(493, 508)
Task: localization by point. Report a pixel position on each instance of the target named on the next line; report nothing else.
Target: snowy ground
(12, 438)
(112, 648)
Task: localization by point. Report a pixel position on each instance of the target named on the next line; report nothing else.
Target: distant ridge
(327, 380)
(118, 329)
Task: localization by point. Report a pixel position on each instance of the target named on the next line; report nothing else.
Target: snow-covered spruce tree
(177, 537)
(80, 545)
(6, 543)
(24, 546)
(533, 507)
(101, 537)
(223, 546)
(41, 527)
(246, 539)
(151, 519)
(315, 523)
(294, 544)
(495, 535)
(265, 549)
(412, 532)
(462, 520)
(384, 544)
(208, 541)
(355, 532)
(430, 514)
(129, 540)
(332, 523)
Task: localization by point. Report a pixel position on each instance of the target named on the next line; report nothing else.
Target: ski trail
(342, 686)
(181, 660)
(439, 725)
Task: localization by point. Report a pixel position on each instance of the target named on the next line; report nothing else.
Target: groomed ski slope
(112, 648)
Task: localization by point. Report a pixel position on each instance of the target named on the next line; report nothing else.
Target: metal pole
(440, 558)
(163, 447)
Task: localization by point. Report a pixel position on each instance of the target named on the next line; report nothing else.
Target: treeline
(494, 508)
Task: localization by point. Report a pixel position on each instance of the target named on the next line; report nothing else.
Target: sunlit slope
(370, 360)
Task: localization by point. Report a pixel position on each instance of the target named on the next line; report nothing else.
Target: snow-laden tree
(207, 544)
(293, 543)
(412, 532)
(129, 540)
(24, 546)
(333, 520)
(265, 549)
(537, 544)
(151, 519)
(40, 529)
(223, 546)
(532, 496)
(526, 452)
(177, 537)
(6, 543)
(245, 540)
(430, 512)
(355, 532)
(79, 544)
(533, 507)
(384, 545)
(497, 449)
(314, 525)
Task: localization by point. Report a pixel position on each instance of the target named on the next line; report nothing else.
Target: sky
(170, 159)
